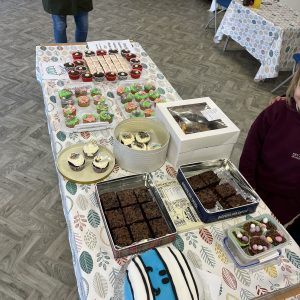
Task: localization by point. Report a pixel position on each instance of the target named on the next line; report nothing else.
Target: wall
(295, 4)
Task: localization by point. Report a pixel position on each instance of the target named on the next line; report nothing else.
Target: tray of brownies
(217, 190)
(134, 215)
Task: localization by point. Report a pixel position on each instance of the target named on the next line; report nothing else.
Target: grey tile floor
(35, 259)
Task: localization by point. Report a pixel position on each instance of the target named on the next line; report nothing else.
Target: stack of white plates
(138, 161)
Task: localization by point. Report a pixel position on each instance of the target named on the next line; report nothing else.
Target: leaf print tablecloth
(95, 268)
(271, 34)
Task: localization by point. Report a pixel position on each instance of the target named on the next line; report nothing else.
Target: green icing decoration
(95, 91)
(67, 94)
(106, 116)
(102, 107)
(72, 121)
(137, 114)
(146, 104)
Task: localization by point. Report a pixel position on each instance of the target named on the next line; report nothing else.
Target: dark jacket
(67, 7)
(270, 160)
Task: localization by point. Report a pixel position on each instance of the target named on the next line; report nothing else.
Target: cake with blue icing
(162, 274)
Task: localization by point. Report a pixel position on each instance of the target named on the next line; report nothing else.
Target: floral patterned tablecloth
(271, 34)
(95, 268)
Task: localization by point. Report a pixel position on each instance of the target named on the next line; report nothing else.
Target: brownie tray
(125, 218)
(227, 173)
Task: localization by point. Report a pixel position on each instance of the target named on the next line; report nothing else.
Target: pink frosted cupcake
(130, 107)
(69, 110)
(83, 101)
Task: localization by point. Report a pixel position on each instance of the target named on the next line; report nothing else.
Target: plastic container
(137, 161)
(241, 253)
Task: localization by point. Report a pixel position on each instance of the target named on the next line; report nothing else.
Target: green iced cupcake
(146, 104)
(149, 86)
(127, 98)
(71, 121)
(137, 114)
(139, 96)
(101, 107)
(136, 87)
(95, 91)
(154, 95)
(106, 116)
(65, 93)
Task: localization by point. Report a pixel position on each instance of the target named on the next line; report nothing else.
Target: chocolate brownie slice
(159, 227)
(133, 214)
(121, 237)
(115, 218)
(208, 198)
(139, 231)
(151, 210)
(210, 178)
(235, 201)
(142, 194)
(225, 190)
(126, 198)
(196, 182)
(109, 200)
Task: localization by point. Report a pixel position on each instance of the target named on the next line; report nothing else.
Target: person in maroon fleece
(270, 160)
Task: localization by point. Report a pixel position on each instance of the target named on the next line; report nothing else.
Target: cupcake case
(90, 109)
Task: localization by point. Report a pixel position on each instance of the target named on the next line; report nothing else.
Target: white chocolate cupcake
(138, 146)
(76, 161)
(100, 164)
(126, 138)
(142, 137)
(90, 150)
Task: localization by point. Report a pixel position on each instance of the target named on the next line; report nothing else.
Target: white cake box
(217, 141)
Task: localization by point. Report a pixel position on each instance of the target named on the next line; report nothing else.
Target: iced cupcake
(90, 150)
(100, 164)
(76, 161)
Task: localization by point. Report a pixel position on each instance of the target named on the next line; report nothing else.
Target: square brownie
(151, 210)
(196, 182)
(133, 214)
(126, 198)
(225, 190)
(208, 198)
(210, 178)
(109, 200)
(233, 201)
(139, 231)
(159, 227)
(121, 237)
(115, 218)
(142, 194)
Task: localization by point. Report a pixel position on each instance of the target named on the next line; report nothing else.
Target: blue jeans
(60, 27)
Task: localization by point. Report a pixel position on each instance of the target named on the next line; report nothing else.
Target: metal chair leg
(282, 83)
(226, 43)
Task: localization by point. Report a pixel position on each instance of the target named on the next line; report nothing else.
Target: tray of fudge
(85, 107)
(217, 190)
(134, 215)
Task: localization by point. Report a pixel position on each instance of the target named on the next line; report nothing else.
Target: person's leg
(82, 25)
(60, 28)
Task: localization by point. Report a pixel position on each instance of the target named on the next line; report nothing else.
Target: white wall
(295, 4)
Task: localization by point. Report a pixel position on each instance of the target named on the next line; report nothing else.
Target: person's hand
(277, 98)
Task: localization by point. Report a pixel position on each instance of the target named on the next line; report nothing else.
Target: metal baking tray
(227, 171)
(130, 182)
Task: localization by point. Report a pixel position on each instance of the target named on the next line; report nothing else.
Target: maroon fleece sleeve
(253, 146)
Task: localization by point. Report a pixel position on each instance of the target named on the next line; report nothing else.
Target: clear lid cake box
(248, 260)
(225, 170)
(200, 110)
(130, 182)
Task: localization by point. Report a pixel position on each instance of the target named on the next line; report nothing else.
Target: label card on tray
(212, 114)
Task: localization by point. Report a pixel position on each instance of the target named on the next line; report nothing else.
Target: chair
(296, 58)
(224, 4)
